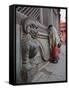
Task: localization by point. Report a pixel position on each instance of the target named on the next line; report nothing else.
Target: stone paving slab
(53, 72)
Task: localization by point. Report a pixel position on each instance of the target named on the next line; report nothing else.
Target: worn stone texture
(53, 72)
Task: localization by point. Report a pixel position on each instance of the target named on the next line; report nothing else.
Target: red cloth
(55, 52)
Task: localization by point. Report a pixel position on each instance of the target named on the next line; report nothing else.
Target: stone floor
(53, 72)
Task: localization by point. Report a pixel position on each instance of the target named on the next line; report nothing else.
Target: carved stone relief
(31, 49)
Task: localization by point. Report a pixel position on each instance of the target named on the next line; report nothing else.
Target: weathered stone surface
(32, 53)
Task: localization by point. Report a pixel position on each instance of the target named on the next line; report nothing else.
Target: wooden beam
(32, 12)
(22, 9)
(29, 11)
(35, 12)
(18, 8)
